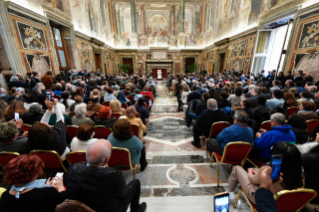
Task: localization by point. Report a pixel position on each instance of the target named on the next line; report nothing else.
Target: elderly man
(4, 95)
(99, 187)
(206, 119)
(265, 140)
(239, 131)
(14, 82)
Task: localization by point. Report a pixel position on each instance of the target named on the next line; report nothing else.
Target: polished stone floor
(178, 177)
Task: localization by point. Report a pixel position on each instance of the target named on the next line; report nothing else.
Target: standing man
(47, 80)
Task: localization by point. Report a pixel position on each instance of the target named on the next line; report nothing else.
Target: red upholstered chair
(71, 114)
(150, 89)
(286, 200)
(292, 110)
(131, 98)
(137, 115)
(123, 156)
(52, 160)
(266, 125)
(124, 105)
(135, 129)
(117, 115)
(102, 132)
(255, 162)
(148, 98)
(216, 128)
(72, 131)
(234, 153)
(5, 157)
(106, 103)
(75, 157)
(312, 125)
(57, 97)
(94, 115)
(125, 92)
(26, 127)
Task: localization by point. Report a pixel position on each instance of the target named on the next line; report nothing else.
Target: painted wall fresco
(110, 60)
(34, 45)
(305, 48)
(69, 52)
(86, 55)
(4, 60)
(61, 5)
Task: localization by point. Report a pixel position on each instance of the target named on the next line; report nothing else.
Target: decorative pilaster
(182, 17)
(172, 20)
(118, 20)
(143, 26)
(133, 17)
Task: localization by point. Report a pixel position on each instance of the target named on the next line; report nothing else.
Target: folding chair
(102, 132)
(292, 110)
(266, 125)
(135, 130)
(234, 153)
(286, 200)
(124, 105)
(52, 160)
(312, 125)
(26, 127)
(5, 157)
(117, 115)
(76, 157)
(72, 131)
(106, 103)
(123, 156)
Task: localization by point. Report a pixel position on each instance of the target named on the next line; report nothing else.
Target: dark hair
(140, 101)
(276, 82)
(238, 91)
(213, 93)
(261, 100)
(85, 131)
(58, 87)
(122, 129)
(205, 95)
(306, 94)
(308, 105)
(298, 121)
(298, 83)
(291, 166)
(65, 95)
(223, 94)
(39, 135)
(247, 103)
(278, 94)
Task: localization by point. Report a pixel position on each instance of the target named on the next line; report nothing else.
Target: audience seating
(106, 103)
(125, 92)
(255, 162)
(5, 157)
(124, 105)
(94, 115)
(72, 206)
(137, 115)
(57, 97)
(216, 128)
(234, 153)
(71, 114)
(122, 156)
(52, 160)
(148, 99)
(312, 125)
(131, 98)
(26, 127)
(102, 132)
(286, 200)
(75, 157)
(117, 115)
(72, 131)
(292, 110)
(135, 129)
(266, 125)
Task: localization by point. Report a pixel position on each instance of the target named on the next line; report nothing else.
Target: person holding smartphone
(291, 169)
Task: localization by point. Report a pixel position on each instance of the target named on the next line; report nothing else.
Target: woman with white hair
(80, 115)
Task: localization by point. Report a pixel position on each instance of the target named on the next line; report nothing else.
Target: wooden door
(130, 62)
(188, 62)
(154, 73)
(164, 73)
(97, 61)
(221, 62)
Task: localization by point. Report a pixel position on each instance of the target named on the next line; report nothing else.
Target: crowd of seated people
(86, 100)
(48, 108)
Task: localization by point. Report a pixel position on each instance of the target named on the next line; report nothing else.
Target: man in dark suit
(206, 119)
(306, 78)
(193, 95)
(223, 100)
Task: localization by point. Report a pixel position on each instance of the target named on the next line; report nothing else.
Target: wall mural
(309, 63)
(237, 64)
(310, 35)
(239, 49)
(86, 55)
(62, 5)
(38, 63)
(4, 60)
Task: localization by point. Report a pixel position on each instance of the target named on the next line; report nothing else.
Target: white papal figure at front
(159, 74)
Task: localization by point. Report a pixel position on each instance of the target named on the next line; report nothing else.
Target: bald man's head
(99, 153)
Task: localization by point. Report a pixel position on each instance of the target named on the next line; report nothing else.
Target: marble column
(133, 16)
(172, 20)
(118, 20)
(182, 16)
(197, 19)
(143, 25)
(203, 16)
(9, 41)
(111, 16)
(177, 20)
(114, 20)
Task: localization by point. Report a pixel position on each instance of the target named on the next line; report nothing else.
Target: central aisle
(178, 177)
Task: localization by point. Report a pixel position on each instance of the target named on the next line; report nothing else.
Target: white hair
(80, 110)
(22, 90)
(14, 79)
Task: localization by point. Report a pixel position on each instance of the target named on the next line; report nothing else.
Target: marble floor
(178, 177)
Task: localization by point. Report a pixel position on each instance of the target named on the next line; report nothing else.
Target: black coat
(207, 118)
(30, 118)
(224, 103)
(301, 135)
(202, 106)
(102, 189)
(265, 201)
(310, 163)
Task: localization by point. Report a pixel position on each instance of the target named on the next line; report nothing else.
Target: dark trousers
(143, 160)
(133, 196)
(256, 155)
(214, 146)
(196, 134)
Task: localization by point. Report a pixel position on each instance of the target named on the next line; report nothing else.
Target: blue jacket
(58, 93)
(235, 132)
(263, 144)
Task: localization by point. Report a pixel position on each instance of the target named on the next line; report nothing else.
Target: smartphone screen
(276, 161)
(221, 202)
(59, 174)
(49, 95)
(150, 103)
(16, 116)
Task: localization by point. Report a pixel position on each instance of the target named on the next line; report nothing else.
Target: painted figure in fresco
(76, 3)
(91, 16)
(40, 65)
(66, 7)
(85, 50)
(190, 40)
(312, 36)
(32, 39)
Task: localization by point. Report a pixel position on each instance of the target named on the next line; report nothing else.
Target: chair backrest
(102, 131)
(72, 131)
(52, 160)
(266, 125)
(72, 206)
(71, 114)
(94, 115)
(57, 97)
(148, 98)
(217, 127)
(121, 155)
(135, 129)
(131, 98)
(5, 157)
(150, 89)
(293, 200)
(75, 157)
(124, 105)
(312, 125)
(137, 115)
(26, 127)
(117, 115)
(292, 110)
(236, 152)
(125, 92)
(106, 103)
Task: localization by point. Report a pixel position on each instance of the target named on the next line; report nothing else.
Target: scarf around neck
(34, 184)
